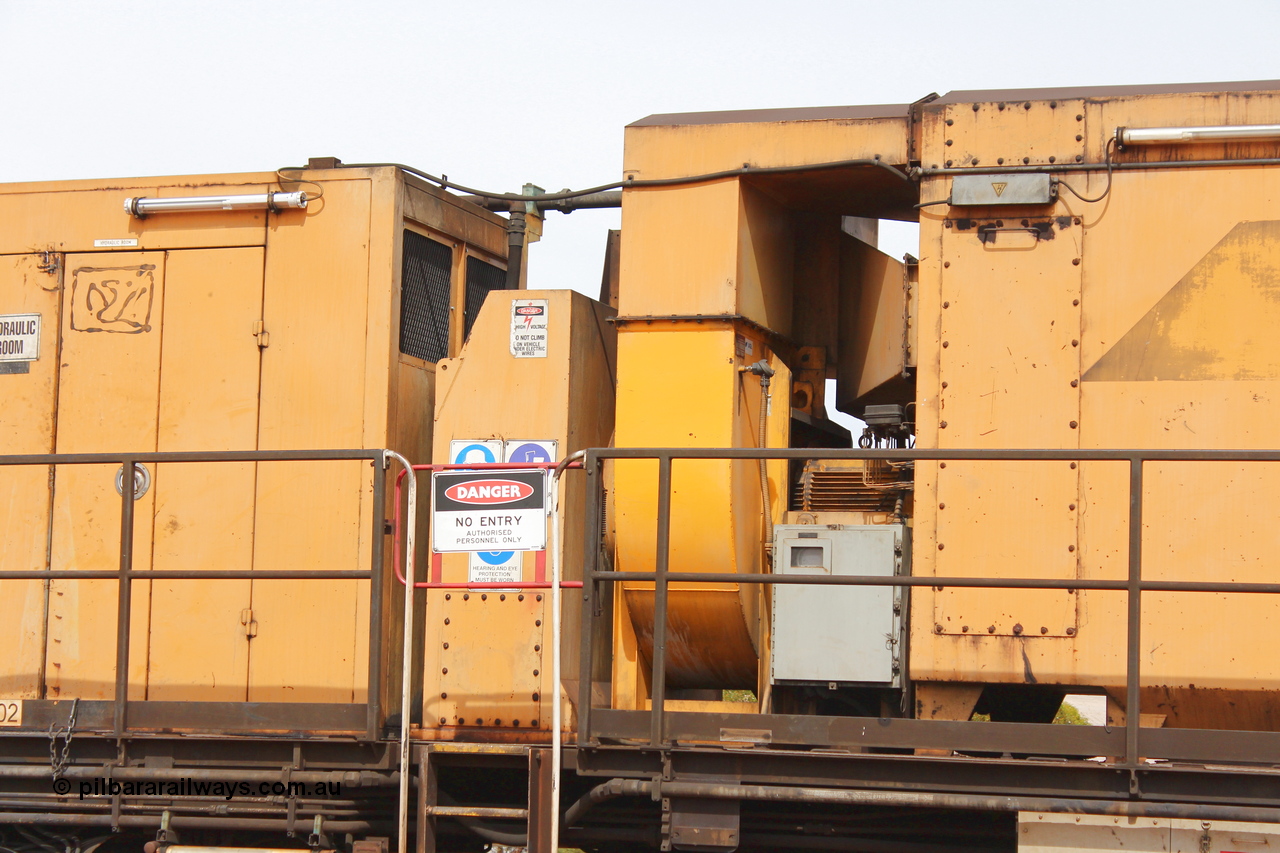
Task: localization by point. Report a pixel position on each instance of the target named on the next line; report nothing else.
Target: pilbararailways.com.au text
(188, 787)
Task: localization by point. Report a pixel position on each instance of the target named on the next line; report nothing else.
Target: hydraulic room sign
(488, 511)
(19, 337)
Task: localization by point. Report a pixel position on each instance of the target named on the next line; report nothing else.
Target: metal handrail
(1133, 585)
(126, 573)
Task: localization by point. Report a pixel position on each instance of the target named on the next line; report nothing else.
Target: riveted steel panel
(490, 659)
(1009, 352)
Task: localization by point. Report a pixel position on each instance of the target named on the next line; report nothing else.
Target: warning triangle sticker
(999, 188)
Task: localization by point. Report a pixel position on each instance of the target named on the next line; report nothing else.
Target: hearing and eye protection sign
(488, 511)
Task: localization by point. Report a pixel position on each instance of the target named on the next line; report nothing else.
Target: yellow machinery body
(220, 331)
(487, 669)
(1141, 320)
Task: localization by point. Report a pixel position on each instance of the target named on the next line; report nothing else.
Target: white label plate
(529, 328)
(488, 511)
(19, 337)
(10, 712)
(495, 567)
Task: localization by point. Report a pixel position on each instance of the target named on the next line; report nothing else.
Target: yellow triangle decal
(999, 188)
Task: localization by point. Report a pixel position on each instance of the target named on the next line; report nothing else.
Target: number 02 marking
(10, 712)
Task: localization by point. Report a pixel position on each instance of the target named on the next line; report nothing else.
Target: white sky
(498, 93)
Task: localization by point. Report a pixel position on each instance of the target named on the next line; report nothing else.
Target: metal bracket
(164, 835)
(1040, 230)
(316, 839)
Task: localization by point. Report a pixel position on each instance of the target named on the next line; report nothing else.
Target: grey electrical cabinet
(829, 635)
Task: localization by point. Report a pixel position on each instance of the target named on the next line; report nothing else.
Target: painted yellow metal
(166, 326)
(308, 515)
(1145, 321)
(1137, 321)
(209, 367)
(732, 249)
(875, 323)
(680, 145)
(27, 426)
(108, 395)
(487, 660)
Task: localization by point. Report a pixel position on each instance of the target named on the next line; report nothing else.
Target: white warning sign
(529, 328)
(19, 337)
(489, 511)
(495, 567)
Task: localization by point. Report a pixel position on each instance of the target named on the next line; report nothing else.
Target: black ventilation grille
(425, 287)
(481, 278)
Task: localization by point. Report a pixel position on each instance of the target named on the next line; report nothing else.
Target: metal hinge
(250, 624)
(260, 332)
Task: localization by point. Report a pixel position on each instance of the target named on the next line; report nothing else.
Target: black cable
(1110, 147)
(445, 183)
(931, 203)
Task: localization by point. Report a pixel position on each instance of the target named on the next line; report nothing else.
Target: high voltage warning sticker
(488, 511)
(529, 328)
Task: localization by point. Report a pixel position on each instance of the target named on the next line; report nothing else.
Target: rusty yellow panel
(1217, 263)
(204, 511)
(682, 148)
(1008, 356)
(108, 395)
(874, 314)
(308, 514)
(766, 261)
(488, 653)
(683, 245)
(70, 216)
(928, 387)
(1010, 335)
(1002, 133)
(28, 285)
(1181, 356)
(1104, 114)
(566, 397)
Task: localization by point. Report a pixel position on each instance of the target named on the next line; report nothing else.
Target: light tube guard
(141, 207)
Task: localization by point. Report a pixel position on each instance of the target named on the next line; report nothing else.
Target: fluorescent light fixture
(1212, 133)
(141, 207)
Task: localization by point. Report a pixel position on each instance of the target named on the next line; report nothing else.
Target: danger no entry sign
(488, 511)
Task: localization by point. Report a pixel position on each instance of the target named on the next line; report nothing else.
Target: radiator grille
(851, 486)
(481, 278)
(426, 282)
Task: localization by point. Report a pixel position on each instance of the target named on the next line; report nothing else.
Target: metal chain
(56, 762)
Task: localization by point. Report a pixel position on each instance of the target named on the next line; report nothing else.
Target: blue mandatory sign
(530, 453)
(466, 451)
(495, 558)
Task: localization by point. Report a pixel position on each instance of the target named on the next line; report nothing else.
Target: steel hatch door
(108, 390)
(159, 354)
(29, 285)
(210, 365)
